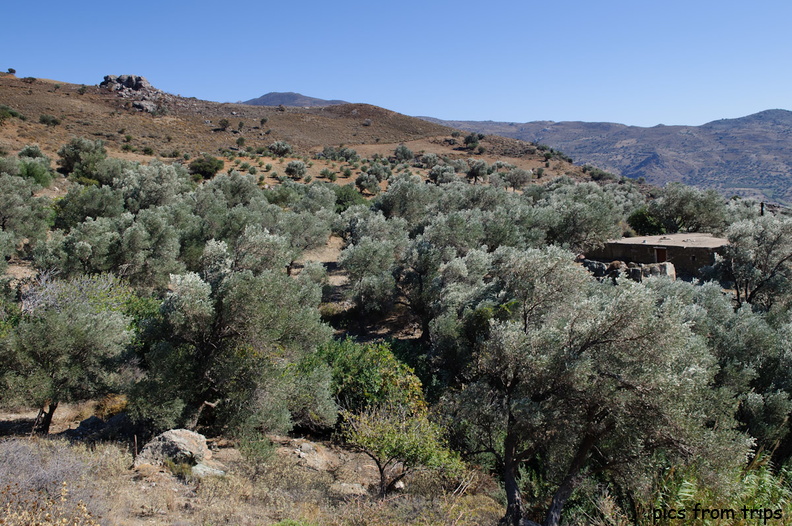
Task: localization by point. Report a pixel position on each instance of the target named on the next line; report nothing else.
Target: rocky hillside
(291, 99)
(139, 122)
(749, 156)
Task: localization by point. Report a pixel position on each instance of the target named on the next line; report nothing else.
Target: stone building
(688, 252)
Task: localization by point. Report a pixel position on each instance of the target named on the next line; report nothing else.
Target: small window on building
(692, 258)
(661, 254)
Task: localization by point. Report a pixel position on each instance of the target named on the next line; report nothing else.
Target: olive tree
(589, 378)
(296, 169)
(682, 208)
(68, 344)
(22, 214)
(758, 261)
(80, 157)
(517, 178)
(220, 355)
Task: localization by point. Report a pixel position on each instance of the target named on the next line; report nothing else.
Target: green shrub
(402, 153)
(33, 151)
(80, 157)
(296, 169)
(280, 148)
(49, 120)
(37, 169)
(206, 166)
(369, 374)
(7, 112)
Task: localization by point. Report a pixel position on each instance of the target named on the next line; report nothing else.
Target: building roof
(691, 240)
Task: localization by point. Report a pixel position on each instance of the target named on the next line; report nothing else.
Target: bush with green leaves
(369, 375)
(280, 148)
(80, 157)
(347, 196)
(82, 202)
(49, 120)
(23, 215)
(296, 170)
(443, 174)
(398, 440)
(206, 167)
(68, 345)
(368, 183)
(472, 140)
(682, 208)
(38, 169)
(239, 332)
(403, 154)
(645, 223)
(339, 154)
(6, 112)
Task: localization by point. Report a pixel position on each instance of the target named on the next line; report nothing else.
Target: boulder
(597, 268)
(181, 446)
(660, 269)
(145, 105)
(133, 82)
(202, 470)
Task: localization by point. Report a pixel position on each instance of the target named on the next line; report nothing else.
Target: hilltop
(749, 156)
(290, 98)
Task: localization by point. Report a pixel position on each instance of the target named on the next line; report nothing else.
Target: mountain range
(749, 156)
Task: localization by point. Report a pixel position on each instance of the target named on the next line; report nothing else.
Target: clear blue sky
(640, 62)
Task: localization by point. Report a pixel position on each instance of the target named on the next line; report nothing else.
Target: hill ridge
(748, 156)
(291, 98)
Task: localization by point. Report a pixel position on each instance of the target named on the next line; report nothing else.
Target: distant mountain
(291, 99)
(749, 156)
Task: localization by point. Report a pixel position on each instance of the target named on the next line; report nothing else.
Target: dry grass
(52, 480)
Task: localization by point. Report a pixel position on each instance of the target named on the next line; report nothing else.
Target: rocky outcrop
(144, 96)
(118, 83)
(180, 446)
(145, 105)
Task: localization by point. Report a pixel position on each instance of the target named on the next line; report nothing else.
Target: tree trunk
(514, 507)
(559, 499)
(570, 482)
(44, 420)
